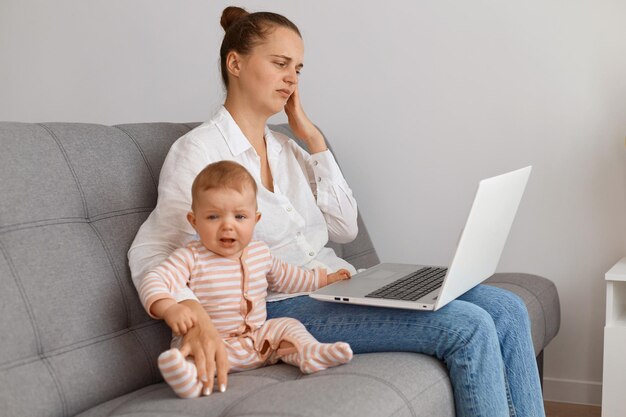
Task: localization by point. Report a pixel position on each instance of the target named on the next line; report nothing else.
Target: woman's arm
(333, 195)
(167, 228)
(302, 127)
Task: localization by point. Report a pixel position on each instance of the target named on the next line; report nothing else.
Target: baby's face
(225, 219)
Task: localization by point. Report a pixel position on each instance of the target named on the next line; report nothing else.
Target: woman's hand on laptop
(338, 276)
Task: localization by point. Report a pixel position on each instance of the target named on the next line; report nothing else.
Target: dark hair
(246, 30)
(223, 174)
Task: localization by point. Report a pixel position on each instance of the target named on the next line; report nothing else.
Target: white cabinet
(614, 371)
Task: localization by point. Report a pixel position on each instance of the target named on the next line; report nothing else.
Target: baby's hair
(244, 31)
(222, 174)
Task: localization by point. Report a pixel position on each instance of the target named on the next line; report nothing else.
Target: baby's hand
(180, 318)
(338, 276)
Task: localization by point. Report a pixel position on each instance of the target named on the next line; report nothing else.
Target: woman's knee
(505, 307)
(508, 310)
(470, 322)
(510, 316)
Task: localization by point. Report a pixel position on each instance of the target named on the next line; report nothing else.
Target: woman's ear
(233, 63)
(191, 218)
(257, 217)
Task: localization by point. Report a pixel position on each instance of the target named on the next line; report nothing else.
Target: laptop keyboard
(413, 286)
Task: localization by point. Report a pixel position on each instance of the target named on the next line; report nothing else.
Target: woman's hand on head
(301, 126)
(204, 343)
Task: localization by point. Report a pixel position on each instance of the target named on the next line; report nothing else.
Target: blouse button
(315, 163)
(319, 179)
(311, 253)
(289, 209)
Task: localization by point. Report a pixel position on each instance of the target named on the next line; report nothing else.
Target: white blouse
(311, 201)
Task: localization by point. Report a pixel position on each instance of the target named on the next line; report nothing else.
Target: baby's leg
(298, 347)
(180, 374)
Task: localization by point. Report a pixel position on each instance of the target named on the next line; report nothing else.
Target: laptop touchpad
(380, 273)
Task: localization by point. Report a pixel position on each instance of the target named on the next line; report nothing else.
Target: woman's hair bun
(230, 15)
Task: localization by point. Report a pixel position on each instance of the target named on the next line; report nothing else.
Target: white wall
(434, 95)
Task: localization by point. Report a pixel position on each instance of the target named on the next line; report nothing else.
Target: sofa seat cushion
(374, 384)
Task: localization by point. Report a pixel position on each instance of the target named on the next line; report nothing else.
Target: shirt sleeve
(286, 278)
(167, 228)
(333, 195)
(168, 279)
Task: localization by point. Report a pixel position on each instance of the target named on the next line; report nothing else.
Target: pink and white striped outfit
(233, 293)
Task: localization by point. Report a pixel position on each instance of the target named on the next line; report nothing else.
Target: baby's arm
(287, 278)
(179, 317)
(337, 276)
(159, 287)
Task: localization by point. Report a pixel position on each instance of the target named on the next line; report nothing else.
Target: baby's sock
(310, 355)
(180, 374)
(314, 357)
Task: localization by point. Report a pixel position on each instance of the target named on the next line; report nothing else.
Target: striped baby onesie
(233, 293)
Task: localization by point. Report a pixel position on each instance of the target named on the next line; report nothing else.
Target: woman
(483, 337)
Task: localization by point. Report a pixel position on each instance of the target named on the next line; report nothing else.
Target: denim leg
(461, 334)
(513, 328)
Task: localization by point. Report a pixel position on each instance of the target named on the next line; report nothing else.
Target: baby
(230, 274)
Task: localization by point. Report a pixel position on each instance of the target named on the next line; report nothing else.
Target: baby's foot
(180, 374)
(316, 357)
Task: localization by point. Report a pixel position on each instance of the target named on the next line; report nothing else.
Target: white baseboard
(572, 391)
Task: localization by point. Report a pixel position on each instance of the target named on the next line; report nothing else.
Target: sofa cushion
(375, 384)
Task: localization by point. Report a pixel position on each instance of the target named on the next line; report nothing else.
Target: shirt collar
(274, 143)
(234, 137)
(237, 141)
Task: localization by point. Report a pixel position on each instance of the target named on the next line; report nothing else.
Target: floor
(570, 410)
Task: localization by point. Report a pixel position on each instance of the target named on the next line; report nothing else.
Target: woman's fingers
(293, 101)
(204, 343)
(295, 113)
(185, 349)
(209, 356)
(207, 382)
(194, 343)
(223, 366)
(301, 126)
(210, 374)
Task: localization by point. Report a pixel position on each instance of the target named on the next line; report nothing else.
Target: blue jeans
(483, 337)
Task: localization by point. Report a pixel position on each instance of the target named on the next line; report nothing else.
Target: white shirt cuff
(325, 167)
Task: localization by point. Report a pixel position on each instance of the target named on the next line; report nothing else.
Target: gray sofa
(75, 339)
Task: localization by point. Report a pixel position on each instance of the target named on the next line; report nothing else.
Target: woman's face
(269, 74)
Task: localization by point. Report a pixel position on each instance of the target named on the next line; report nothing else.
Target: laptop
(477, 254)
